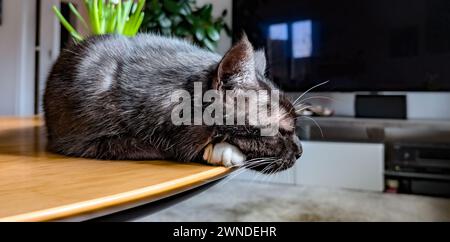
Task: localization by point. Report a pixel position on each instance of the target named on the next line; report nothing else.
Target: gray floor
(250, 201)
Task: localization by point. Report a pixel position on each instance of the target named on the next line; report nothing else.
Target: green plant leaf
(213, 34)
(184, 19)
(123, 15)
(206, 11)
(182, 31)
(112, 19)
(190, 19)
(135, 18)
(164, 21)
(171, 6)
(67, 25)
(209, 44)
(185, 9)
(134, 7)
(105, 16)
(78, 15)
(199, 34)
(95, 17)
(155, 7)
(137, 25)
(176, 19)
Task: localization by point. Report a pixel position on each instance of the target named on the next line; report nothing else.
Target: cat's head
(243, 69)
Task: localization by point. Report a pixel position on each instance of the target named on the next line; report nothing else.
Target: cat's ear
(237, 67)
(260, 62)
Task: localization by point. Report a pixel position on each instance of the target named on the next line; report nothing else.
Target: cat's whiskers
(318, 97)
(298, 99)
(303, 108)
(271, 170)
(315, 122)
(267, 168)
(299, 105)
(252, 161)
(269, 176)
(258, 173)
(242, 168)
(261, 173)
(256, 163)
(272, 174)
(297, 111)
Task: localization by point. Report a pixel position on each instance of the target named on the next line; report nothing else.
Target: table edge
(153, 192)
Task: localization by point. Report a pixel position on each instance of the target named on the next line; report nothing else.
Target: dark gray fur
(108, 97)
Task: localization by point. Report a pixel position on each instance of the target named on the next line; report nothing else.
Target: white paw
(223, 154)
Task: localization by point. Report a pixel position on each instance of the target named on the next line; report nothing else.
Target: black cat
(108, 97)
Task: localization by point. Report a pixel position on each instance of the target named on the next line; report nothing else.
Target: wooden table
(39, 186)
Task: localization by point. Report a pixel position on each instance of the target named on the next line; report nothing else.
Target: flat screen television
(358, 45)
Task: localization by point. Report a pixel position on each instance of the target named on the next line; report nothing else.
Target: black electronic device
(418, 169)
(380, 106)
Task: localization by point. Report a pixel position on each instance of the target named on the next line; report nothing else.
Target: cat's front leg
(223, 154)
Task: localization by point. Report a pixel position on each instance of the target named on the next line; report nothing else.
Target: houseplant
(106, 16)
(182, 18)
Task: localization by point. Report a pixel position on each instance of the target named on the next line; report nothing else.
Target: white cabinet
(332, 164)
(344, 165)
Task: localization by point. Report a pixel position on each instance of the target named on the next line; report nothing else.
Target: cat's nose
(299, 147)
(299, 151)
(298, 155)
